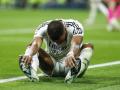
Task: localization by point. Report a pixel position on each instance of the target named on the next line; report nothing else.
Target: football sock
(85, 56)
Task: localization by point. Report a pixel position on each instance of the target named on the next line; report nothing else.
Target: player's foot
(73, 72)
(28, 70)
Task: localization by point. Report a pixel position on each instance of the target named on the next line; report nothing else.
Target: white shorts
(59, 66)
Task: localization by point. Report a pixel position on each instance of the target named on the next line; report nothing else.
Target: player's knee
(88, 45)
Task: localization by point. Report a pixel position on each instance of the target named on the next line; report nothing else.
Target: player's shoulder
(71, 22)
(73, 26)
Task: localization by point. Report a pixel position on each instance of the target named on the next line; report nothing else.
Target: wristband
(28, 52)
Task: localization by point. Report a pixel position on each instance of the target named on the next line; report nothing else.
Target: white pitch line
(16, 78)
(17, 31)
(90, 67)
(104, 64)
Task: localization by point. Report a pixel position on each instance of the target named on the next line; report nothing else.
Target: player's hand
(27, 59)
(70, 60)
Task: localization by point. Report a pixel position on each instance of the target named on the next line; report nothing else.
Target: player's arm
(33, 49)
(37, 42)
(75, 45)
(74, 50)
(78, 33)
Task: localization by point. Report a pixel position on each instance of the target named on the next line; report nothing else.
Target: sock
(112, 18)
(35, 62)
(85, 57)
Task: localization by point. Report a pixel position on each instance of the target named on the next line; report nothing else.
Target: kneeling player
(66, 55)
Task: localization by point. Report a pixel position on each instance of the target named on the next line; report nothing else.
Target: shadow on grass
(98, 80)
(84, 80)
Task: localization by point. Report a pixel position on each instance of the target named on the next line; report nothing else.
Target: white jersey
(73, 28)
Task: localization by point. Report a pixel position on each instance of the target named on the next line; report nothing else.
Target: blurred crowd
(43, 4)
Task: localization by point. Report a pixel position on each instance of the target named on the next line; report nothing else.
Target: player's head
(56, 31)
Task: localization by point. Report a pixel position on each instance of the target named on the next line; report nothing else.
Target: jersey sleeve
(41, 30)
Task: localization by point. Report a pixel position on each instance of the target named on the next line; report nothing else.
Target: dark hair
(55, 29)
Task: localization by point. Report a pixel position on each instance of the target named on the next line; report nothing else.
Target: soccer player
(96, 5)
(113, 14)
(66, 56)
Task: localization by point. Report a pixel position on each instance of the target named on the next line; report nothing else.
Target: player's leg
(93, 11)
(103, 8)
(82, 62)
(116, 16)
(113, 16)
(60, 70)
(85, 56)
(30, 70)
(117, 12)
(46, 62)
(42, 59)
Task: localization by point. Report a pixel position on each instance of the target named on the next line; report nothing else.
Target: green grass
(17, 29)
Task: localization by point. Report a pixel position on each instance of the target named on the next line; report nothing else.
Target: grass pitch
(17, 29)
